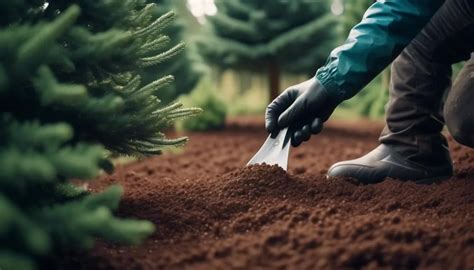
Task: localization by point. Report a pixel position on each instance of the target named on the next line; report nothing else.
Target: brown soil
(211, 212)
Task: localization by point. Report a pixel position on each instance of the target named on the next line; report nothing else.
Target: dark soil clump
(211, 212)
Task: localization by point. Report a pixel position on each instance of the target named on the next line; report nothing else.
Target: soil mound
(257, 181)
(211, 212)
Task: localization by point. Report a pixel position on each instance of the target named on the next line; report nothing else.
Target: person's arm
(387, 28)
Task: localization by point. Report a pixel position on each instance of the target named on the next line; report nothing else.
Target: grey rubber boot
(384, 161)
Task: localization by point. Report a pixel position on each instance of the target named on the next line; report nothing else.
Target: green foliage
(294, 35)
(71, 92)
(215, 110)
(186, 66)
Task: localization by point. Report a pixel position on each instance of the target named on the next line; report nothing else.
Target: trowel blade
(274, 151)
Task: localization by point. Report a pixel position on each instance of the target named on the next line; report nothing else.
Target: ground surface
(211, 212)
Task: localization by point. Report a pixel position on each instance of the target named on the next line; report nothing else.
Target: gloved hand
(303, 108)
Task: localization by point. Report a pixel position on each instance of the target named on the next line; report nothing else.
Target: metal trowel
(274, 151)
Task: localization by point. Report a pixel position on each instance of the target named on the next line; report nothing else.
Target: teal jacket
(387, 28)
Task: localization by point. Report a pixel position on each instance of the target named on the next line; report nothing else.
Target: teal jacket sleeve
(386, 29)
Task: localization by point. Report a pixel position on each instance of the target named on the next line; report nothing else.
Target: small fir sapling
(71, 92)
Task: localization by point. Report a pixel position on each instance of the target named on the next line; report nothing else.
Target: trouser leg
(420, 77)
(459, 108)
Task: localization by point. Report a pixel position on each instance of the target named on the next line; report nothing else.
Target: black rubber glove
(303, 108)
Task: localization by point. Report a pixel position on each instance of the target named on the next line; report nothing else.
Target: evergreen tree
(186, 66)
(276, 36)
(70, 89)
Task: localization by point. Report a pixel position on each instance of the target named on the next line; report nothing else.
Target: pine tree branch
(151, 88)
(154, 60)
(226, 26)
(33, 239)
(168, 109)
(51, 91)
(30, 54)
(300, 34)
(157, 26)
(154, 45)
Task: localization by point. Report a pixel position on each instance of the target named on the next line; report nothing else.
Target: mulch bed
(212, 212)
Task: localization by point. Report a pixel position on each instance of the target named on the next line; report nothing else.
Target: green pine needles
(187, 66)
(71, 94)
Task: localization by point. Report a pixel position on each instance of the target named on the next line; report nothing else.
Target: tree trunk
(274, 80)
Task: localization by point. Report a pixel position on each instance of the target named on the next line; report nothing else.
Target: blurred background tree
(71, 94)
(274, 36)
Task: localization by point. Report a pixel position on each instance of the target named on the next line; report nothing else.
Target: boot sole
(427, 181)
(434, 180)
